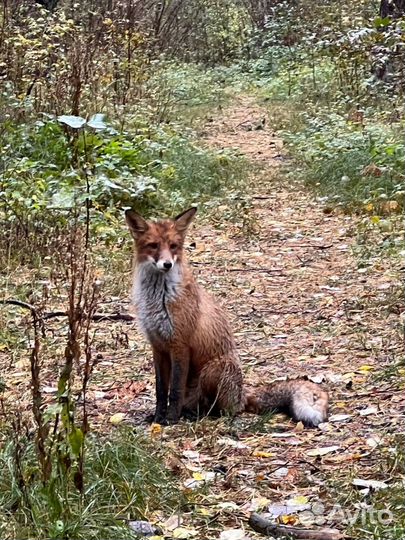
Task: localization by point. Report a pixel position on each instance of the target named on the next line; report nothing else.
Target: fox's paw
(156, 419)
(189, 414)
(173, 418)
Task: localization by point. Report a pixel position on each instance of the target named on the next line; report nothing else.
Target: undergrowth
(52, 165)
(125, 481)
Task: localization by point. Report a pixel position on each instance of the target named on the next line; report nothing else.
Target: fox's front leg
(162, 370)
(180, 360)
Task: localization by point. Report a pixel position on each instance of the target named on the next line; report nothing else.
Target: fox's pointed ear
(184, 219)
(137, 225)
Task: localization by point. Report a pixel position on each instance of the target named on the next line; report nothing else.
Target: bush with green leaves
(56, 164)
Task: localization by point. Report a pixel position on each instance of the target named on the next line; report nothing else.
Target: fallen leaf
(280, 473)
(259, 453)
(372, 484)
(366, 368)
(317, 378)
(117, 418)
(256, 504)
(370, 410)
(232, 534)
(173, 522)
(322, 451)
(301, 499)
(374, 441)
(225, 441)
(192, 483)
(340, 404)
(288, 519)
(155, 429)
(49, 389)
(182, 532)
(228, 505)
(191, 454)
(339, 417)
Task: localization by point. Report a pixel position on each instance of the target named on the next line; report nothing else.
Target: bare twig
(53, 314)
(250, 269)
(19, 303)
(328, 246)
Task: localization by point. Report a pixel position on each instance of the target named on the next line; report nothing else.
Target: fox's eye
(173, 246)
(152, 245)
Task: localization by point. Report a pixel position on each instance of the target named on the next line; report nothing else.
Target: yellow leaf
(117, 419)
(301, 499)
(155, 429)
(259, 453)
(366, 368)
(288, 519)
(374, 219)
(299, 426)
(198, 476)
(203, 511)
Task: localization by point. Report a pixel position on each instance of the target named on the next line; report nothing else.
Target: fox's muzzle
(165, 261)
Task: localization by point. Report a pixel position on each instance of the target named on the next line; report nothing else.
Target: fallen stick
(328, 246)
(54, 314)
(96, 317)
(263, 526)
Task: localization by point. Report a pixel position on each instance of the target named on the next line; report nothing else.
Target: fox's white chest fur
(152, 293)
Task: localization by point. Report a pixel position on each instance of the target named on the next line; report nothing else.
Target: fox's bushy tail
(303, 400)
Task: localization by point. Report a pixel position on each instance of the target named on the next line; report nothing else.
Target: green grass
(124, 480)
(355, 167)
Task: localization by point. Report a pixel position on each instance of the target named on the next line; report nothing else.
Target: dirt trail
(300, 305)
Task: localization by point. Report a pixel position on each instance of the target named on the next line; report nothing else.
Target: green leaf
(97, 121)
(76, 439)
(75, 122)
(379, 21)
(63, 199)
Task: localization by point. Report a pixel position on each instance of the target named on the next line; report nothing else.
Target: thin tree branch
(53, 314)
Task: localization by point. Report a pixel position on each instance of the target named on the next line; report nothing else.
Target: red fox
(194, 353)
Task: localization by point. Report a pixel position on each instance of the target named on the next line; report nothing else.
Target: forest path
(300, 304)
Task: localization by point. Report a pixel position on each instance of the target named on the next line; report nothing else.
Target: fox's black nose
(167, 265)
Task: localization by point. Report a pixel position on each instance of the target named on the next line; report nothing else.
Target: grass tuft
(125, 480)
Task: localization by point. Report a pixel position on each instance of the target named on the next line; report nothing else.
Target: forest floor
(301, 302)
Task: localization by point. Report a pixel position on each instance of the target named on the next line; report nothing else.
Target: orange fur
(196, 362)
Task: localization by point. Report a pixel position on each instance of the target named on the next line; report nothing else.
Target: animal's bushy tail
(303, 400)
